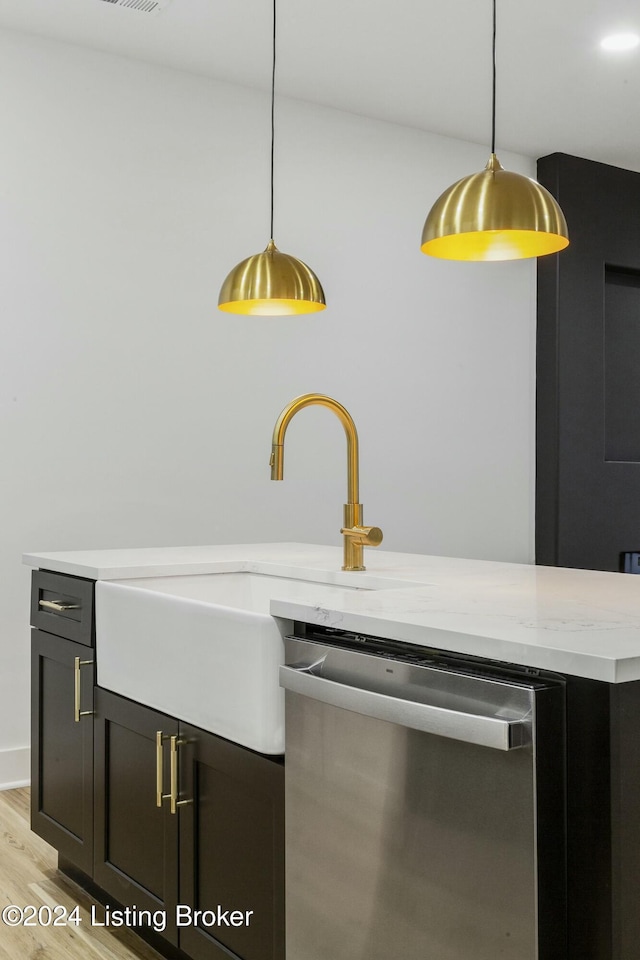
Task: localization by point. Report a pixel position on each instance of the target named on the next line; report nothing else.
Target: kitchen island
(581, 626)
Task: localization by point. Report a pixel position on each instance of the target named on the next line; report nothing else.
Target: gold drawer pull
(175, 803)
(58, 605)
(77, 713)
(160, 796)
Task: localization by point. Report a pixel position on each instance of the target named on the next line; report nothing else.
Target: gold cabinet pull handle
(58, 605)
(160, 796)
(175, 803)
(77, 712)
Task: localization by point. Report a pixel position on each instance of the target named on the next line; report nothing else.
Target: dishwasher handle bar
(485, 731)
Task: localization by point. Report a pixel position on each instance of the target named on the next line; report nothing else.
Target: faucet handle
(367, 536)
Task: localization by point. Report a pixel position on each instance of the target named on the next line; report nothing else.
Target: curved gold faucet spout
(285, 418)
(355, 535)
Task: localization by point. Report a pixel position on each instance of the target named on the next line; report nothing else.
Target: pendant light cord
(493, 103)
(273, 101)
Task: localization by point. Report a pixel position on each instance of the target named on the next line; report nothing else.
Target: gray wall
(134, 413)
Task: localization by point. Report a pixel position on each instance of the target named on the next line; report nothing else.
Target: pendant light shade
(271, 284)
(494, 214)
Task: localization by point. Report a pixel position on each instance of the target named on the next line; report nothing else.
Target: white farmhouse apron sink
(204, 648)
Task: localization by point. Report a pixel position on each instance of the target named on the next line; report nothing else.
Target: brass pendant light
(494, 214)
(272, 284)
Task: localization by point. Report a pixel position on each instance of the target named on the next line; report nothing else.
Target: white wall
(134, 413)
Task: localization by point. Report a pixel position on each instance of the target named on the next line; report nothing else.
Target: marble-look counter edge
(581, 622)
(131, 563)
(575, 662)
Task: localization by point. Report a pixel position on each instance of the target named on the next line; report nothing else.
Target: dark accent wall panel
(588, 370)
(621, 364)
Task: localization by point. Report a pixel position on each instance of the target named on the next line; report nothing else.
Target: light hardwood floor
(29, 875)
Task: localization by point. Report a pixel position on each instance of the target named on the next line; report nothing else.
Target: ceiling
(423, 63)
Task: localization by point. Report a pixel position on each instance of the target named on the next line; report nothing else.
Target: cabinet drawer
(63, 605)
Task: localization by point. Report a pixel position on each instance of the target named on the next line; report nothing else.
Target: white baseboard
(15, 768)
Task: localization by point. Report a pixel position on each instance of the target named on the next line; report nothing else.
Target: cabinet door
(62, 747)
(136, 842)
(231, 848)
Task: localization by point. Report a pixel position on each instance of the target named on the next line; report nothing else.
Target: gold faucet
(356, 536)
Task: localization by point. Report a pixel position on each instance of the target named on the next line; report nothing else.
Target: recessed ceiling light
(620, 41)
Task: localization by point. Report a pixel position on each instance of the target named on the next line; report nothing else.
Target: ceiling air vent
(144, 6)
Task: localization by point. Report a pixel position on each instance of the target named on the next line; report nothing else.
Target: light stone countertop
(581, 622)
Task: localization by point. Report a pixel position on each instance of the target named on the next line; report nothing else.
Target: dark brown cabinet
(136, 842)
(144, 810)
(231, 848)
(217, 860)
(62, 746)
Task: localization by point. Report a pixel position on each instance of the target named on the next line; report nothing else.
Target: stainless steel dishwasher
(424, 804)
